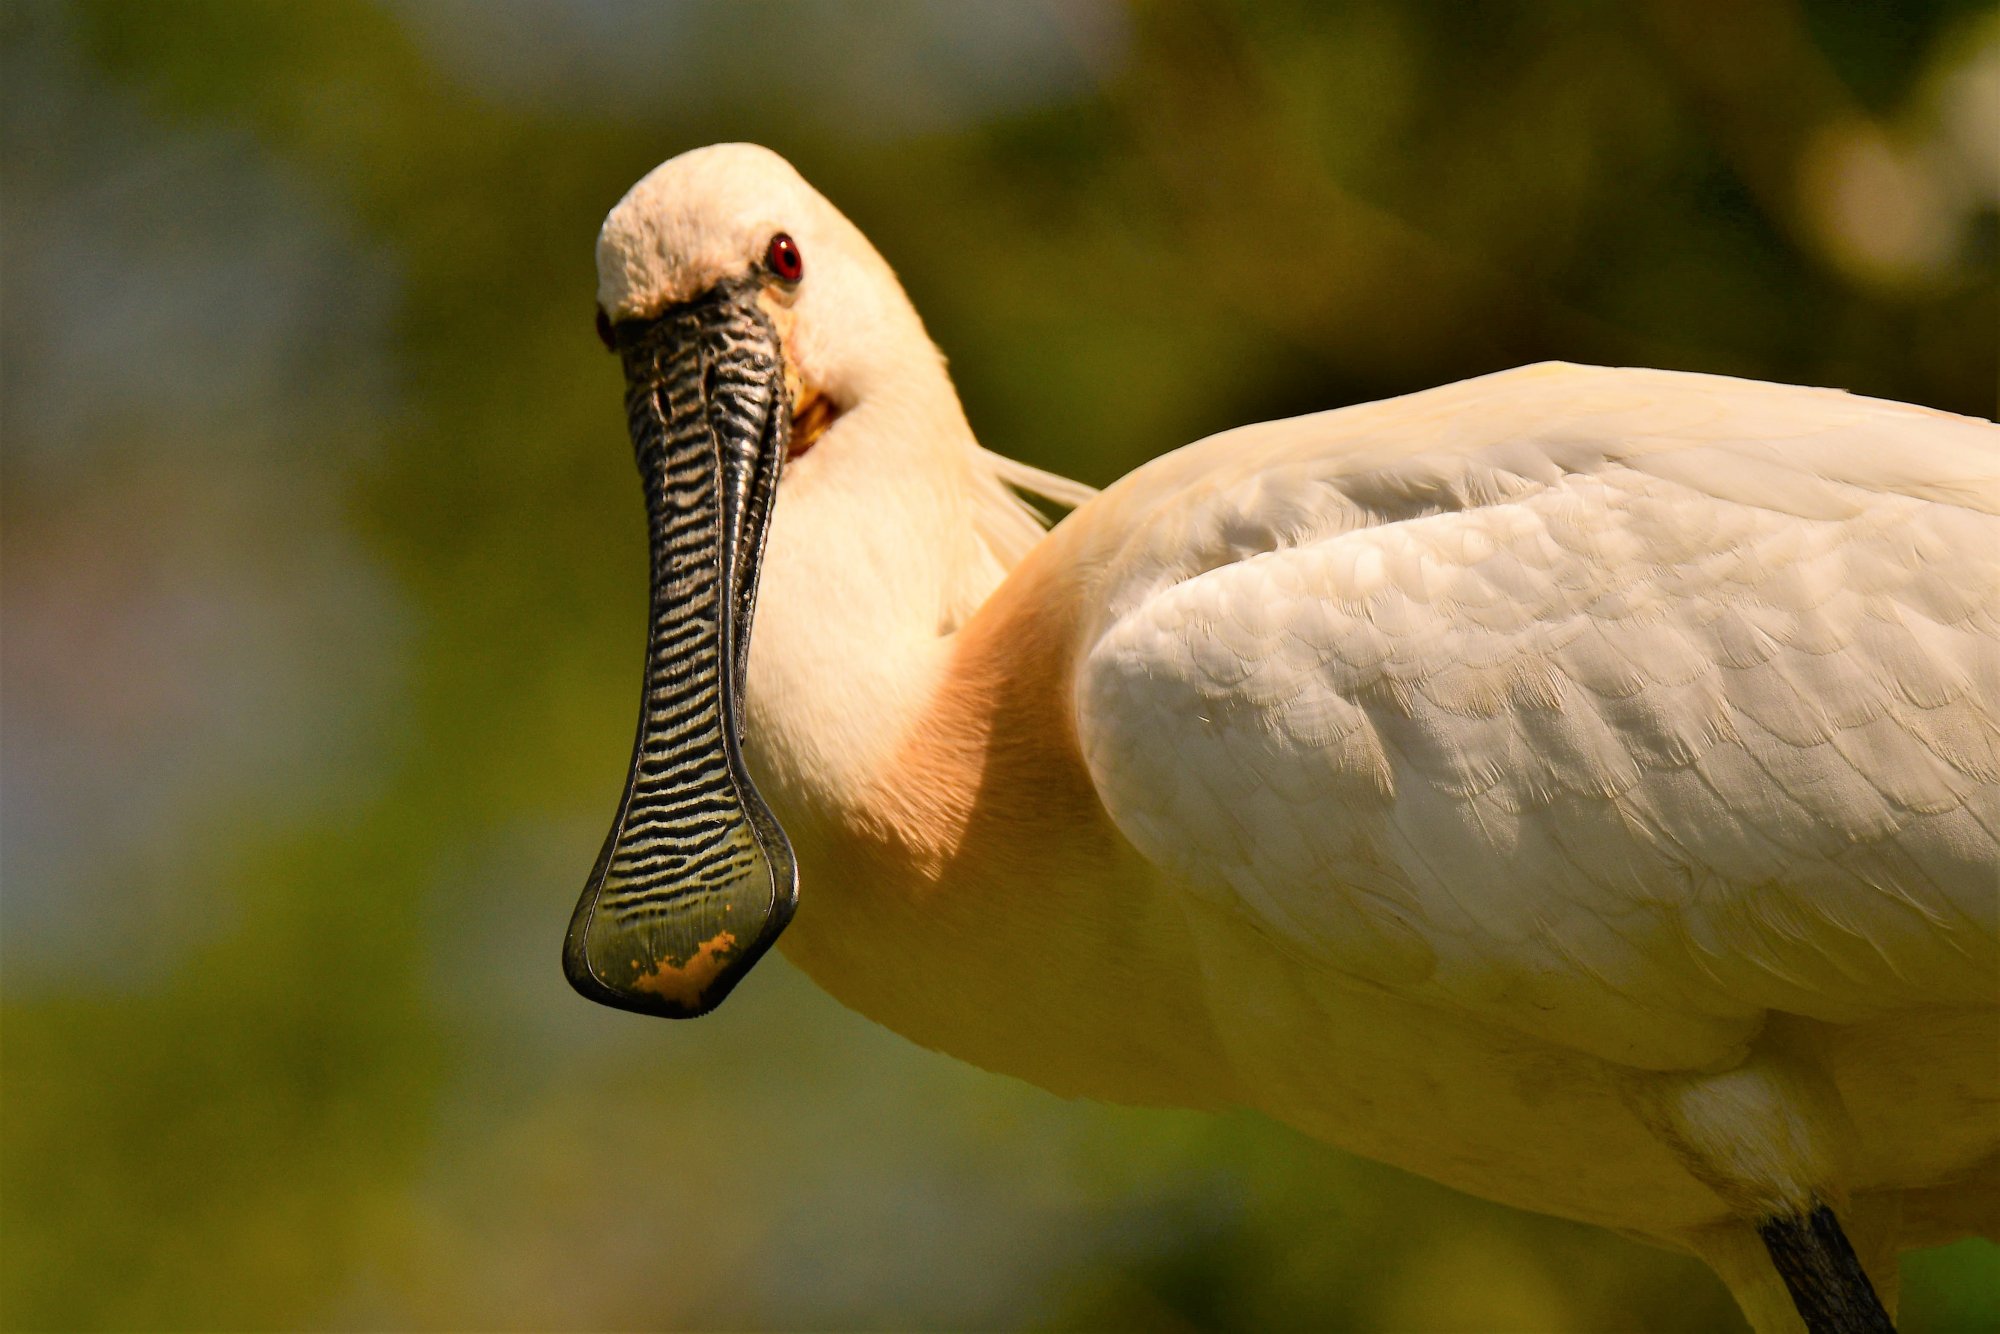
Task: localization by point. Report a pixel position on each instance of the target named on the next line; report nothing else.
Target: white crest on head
(709, 215)
(695, 220)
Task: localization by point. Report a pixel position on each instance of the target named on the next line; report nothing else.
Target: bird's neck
(868, 569)
(908, 718)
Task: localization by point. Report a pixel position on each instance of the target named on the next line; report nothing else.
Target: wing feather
(1623, 707)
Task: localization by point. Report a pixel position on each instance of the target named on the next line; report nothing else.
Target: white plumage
(1579, 786)
(1623, 709)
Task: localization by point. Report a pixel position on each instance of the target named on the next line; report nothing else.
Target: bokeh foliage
(324, 571)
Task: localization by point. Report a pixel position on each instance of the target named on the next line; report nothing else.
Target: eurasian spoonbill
(1578, 786)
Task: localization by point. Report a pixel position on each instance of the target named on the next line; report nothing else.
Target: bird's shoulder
(1480, 442)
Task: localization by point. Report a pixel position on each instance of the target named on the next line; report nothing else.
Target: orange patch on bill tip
(683, 984)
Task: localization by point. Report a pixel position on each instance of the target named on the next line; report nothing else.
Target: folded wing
(1620, 707)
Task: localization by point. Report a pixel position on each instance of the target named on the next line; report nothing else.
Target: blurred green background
(324, 585)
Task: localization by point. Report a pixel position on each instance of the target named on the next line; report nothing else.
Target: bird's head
(749, 315)
(736, 224)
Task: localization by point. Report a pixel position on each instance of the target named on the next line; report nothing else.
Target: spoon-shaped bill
(696, 879)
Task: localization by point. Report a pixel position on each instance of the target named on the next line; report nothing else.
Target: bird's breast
(975, 897)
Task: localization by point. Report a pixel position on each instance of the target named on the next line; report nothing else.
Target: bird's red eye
(604, 334)
(784, 258)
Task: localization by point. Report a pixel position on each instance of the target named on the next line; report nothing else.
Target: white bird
(1578, 786)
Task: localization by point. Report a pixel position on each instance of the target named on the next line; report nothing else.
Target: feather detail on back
(1626, 706)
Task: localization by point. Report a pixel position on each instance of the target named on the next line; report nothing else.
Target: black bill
(696, 878)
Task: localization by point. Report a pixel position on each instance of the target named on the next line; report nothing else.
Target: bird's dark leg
(1820, 1270)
